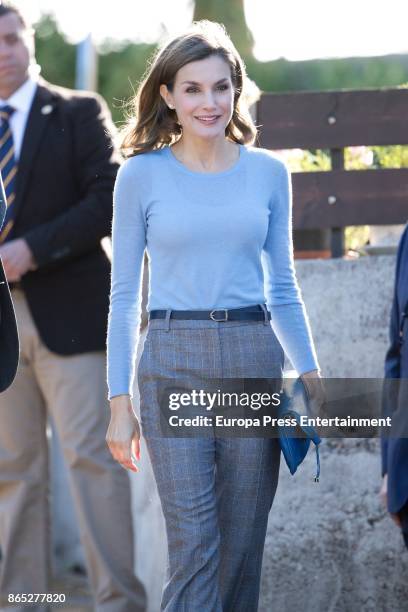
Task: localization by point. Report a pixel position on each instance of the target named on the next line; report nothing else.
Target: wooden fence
(334, 120)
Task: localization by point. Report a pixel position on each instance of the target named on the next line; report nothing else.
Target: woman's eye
(194, 89)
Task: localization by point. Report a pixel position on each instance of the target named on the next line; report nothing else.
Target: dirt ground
(330, 545)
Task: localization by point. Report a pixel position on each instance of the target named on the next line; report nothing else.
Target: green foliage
(328, 74)
(54, 54)
(356, 236)
(312, 160)
(395, 156)
(120, 71)
(121, 67)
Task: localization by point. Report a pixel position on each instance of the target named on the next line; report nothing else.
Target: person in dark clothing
(9, 347)
(394, 489)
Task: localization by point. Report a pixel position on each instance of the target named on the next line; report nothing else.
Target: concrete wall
(330, 545)
(349, 302)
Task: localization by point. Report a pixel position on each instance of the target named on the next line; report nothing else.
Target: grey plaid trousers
(216, 493)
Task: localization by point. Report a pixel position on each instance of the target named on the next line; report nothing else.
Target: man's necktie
(8, 168)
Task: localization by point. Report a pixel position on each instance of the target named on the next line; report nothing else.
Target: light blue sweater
(214, 240)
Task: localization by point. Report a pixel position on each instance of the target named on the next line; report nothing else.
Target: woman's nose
(209, 100)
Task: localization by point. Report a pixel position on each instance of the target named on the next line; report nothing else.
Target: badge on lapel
(47, 109)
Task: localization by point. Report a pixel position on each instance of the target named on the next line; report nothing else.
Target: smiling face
(16, 48)
(203, 97)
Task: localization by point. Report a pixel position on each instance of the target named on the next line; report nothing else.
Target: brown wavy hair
(151, 124)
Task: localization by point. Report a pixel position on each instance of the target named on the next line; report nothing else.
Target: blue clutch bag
(294, 448)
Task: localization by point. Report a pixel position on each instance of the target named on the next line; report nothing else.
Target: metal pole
(86, 65)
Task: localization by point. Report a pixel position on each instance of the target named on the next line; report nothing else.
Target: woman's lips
(208, 120)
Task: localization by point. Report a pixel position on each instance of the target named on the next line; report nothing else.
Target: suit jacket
(65, 180)
(395, 399)
(9, 345)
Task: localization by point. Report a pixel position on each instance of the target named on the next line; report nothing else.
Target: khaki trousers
(73, 390)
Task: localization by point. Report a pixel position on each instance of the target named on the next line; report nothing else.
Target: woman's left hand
(316, 393)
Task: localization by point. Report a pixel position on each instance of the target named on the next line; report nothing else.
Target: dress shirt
(21, 100)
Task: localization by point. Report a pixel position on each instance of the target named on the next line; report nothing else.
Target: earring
(171, 106)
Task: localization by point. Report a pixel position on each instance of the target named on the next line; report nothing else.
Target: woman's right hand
(123, 435)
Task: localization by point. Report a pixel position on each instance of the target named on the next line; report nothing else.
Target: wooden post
(337, 233)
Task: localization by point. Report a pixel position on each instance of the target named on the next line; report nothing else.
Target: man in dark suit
(58, 165)
(394, 490)
(8, 329)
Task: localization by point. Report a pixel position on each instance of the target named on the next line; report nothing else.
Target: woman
(214, 214)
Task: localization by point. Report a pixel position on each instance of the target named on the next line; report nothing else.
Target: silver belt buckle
(219, 310)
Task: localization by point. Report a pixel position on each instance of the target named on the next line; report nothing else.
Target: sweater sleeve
(289, 319)
(128, 245)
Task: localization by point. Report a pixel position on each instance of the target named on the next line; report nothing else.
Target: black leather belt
(248, 313)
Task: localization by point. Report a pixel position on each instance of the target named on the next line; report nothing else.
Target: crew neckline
(181, 166)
